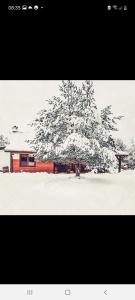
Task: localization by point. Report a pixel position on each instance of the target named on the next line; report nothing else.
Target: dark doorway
(60, 168)
(68, 168)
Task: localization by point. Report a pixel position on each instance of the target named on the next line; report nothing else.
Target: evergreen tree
(109, 124)
(109, 121)
(70, 130)
(65, 132)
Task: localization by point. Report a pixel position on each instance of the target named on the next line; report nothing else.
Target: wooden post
(77, 170)
(120, 156)
(119, 170)
(11, 162)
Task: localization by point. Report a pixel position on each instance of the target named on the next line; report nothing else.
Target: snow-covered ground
(42, 193)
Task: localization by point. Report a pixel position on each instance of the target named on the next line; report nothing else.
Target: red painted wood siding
(39, 167)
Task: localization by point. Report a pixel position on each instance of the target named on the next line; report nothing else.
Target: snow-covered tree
(3, 141)
(109, 124)
(119, 145)
(71, 130)
(64, 132)
(131, 155)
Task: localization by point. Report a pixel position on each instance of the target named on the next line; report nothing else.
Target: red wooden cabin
(21, 161)
(22, 156)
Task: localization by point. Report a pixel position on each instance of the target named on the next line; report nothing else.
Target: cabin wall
(39, 166)
(4, 159)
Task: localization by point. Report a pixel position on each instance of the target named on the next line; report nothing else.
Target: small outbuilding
(120, 156)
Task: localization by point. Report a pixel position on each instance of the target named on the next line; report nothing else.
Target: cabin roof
(18, 142)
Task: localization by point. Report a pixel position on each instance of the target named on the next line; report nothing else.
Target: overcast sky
(21, 100)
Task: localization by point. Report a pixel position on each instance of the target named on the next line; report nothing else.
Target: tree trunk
(119, 169)
(77, 170)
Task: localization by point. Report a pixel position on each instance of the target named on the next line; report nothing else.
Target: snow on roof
(18, 142)
(121, 153)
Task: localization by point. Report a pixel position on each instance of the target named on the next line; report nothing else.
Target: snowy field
(42, 193)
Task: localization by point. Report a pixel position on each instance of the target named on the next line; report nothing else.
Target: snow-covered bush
(3, 141)
(130, 160)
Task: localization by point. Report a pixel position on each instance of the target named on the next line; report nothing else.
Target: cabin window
(27, 161)
(23, 160)
(31, 161)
